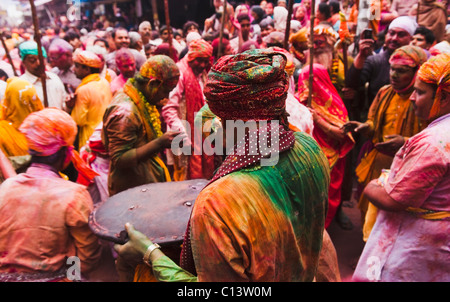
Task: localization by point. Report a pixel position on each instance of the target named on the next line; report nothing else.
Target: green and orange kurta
(284, 205)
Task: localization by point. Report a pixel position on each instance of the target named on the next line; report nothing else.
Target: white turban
(193, 35)
(406, 23)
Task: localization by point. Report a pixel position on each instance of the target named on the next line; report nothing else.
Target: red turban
(251, 85)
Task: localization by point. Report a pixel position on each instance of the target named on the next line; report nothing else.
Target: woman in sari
(329, 115)
(20, 100)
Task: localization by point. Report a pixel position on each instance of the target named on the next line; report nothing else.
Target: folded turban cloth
(328, 31)
(412, 56)
(30, 48)
(300, 36)
(192, 36)
(50, 129)
(290, 65)
(436, 71)
(199, 49)
(251, 85)
(88, 58)
(405, 23)
(160, 67)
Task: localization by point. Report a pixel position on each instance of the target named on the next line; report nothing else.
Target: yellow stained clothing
(93, 96)
(20, 100)
(389, 114)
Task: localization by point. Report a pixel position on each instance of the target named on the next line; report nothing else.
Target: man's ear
(445, 99)
(154, 83)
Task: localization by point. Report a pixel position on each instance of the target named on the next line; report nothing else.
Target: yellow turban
(436, 71)
(300, 36)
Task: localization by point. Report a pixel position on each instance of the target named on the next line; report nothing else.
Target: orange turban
(436, 71)
(88, 58)
(199, 49)
(252, 85)
(50, 129)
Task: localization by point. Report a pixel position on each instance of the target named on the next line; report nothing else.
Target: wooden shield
(161, 211)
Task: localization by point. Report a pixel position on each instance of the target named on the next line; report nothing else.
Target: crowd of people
(356, 114)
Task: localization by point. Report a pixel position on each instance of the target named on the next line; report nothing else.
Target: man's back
(91, 103)
(264, 223)
(43, 221)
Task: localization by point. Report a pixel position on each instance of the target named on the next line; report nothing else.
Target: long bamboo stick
(37, 38)
(166, 11)
(8, 55)
(222, 26)
(288, 25)
(311, 51)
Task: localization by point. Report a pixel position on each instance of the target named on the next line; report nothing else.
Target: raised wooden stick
(155, 15)
(288, 25)
(222, 26)
(8, 56)
(166, 10)
(37, 38)
(311, 52)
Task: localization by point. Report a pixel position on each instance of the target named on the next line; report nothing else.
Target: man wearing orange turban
(185, 100)
(43, 217)
(410, 237)
(93, 95)
(390, 122)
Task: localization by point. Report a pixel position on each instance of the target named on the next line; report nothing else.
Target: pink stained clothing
(117, 83)
(44, 220)
(402, 246)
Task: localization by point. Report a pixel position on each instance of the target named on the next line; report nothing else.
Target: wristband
(150, 249)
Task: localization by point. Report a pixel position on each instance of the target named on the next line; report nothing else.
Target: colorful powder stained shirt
(408, 247)
(283, 206)
(44, 220)
(124, 132)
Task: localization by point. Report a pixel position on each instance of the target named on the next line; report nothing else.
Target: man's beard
(324, 58)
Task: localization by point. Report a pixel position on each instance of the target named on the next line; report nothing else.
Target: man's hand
(70, 101)
(133, 251)
(392, 144)
(166, 139)
(355, 126)
(366, 47)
